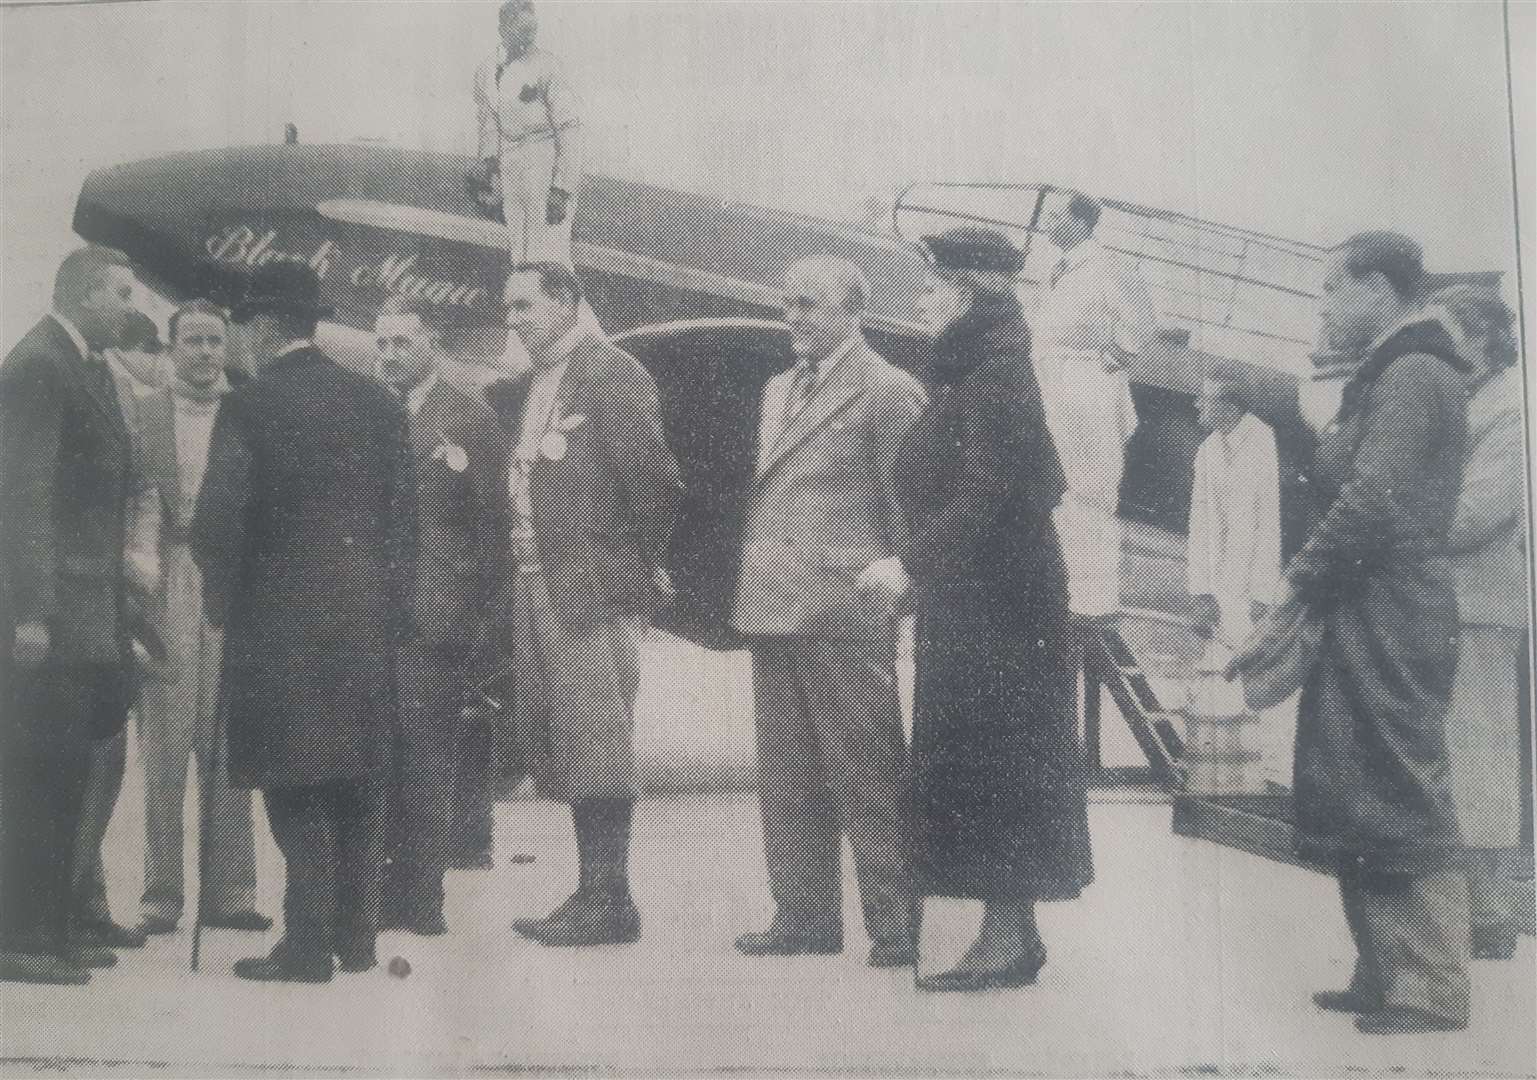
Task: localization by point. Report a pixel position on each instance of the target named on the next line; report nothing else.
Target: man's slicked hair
(82, 271)
(199, 306)
(555, 280)
(1399, 259)
(400, 306)
(1085, 208)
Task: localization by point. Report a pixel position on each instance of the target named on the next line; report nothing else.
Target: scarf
(202, 394)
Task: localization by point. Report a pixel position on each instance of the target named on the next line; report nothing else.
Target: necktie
(801, 388)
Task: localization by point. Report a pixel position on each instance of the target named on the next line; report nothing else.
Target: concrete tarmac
(1182, 958)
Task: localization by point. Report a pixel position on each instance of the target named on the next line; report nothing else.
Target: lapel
(96, 386)
(833, 395)
(429, 427)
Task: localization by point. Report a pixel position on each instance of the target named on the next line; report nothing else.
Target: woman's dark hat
(287, 288)
(968, 247)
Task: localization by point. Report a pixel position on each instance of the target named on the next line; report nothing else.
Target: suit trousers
(832, 760)
(472, 825)
(178, 721)
(430, 685)
(54, 716)
(331, 837)
(1411, 935)
(88, 879)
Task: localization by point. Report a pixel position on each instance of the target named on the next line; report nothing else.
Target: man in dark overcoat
(304, 532)
(1372, 776)
(459, 455)
(67, 475)
(594, 492)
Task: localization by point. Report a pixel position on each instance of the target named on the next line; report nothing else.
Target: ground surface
(1183, 958)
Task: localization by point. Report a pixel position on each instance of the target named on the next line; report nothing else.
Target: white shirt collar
(74, 335)
(293, 347)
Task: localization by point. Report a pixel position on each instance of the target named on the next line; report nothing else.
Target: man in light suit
(68, 602)
(594, 491)
(816, 600)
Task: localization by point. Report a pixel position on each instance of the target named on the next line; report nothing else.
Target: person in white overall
(1234, 554)
(529, 127)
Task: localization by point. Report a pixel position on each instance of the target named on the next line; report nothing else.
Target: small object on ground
(400, 967)
(520, 858)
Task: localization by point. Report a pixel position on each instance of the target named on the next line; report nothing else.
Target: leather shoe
(1401, 1020)
(785, 938)
(1347, 1001)
(88, 956)
(281, 966)
(238, 920)
(160, 924)
(597, 921)
(41, 968)
(1021, 972)
(532, 928)
(892, 952)
(357, 956)
(106, 934)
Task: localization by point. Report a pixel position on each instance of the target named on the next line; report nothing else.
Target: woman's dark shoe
(1022, 972)
(1347, 1001)
(1493, 943)
(1400, 1020)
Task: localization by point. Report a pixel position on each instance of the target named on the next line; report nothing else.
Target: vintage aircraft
(690, 285)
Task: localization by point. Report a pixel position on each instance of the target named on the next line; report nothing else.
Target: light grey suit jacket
(822, 505)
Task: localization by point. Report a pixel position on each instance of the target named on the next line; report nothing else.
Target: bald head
(824, 300)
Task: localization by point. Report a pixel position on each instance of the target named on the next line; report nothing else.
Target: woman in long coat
(999, 811)
(1487, 542)
(1372, 792)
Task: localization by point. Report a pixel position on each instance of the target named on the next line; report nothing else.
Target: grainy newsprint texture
(683, 538)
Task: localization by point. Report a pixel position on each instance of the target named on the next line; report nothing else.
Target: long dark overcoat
(304, 531)
(1000, 809)
(1372, 783)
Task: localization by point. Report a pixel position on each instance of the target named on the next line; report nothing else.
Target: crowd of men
(295, 580)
